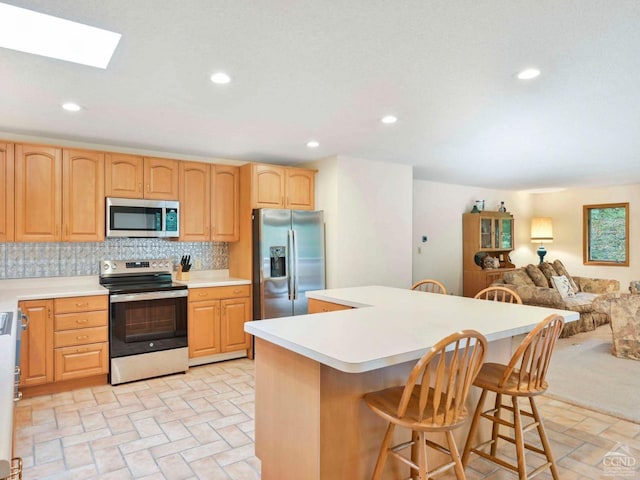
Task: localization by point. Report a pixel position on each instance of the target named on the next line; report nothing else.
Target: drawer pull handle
(81, 350)
(237, 290)
(82, 320)
(82, 337)
(86, 304)
(203, 294)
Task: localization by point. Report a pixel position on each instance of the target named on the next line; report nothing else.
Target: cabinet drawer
(319, 306)
(81, 304)
(82, 361)
(214, 293)
(68, 321)
(80, 336)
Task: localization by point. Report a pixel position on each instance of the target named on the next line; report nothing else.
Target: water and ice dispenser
(278, 261)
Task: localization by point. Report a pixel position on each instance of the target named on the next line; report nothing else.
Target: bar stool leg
(455, 455)
(495, 428)
(422, 456)
(473, 429)
(543, 438)
(414, 454)
(384, 452)
(519, 440)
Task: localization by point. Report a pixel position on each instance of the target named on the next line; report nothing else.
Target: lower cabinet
(319, 306)
(216, 320)
(66, 339)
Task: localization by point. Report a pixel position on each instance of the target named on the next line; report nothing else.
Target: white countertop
(14, 290)
(391, 325)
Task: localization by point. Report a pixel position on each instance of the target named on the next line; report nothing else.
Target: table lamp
(541, 232)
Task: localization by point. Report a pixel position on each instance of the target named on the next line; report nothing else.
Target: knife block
(182, 275)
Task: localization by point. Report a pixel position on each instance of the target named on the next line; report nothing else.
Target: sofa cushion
(562, 285)
(537, 276)
(581, 302)
(518, 277)
(547, 269)
(560, 268)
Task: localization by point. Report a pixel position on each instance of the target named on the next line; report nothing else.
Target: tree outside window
(606, 234)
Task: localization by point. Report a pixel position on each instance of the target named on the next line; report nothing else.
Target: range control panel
(115, 267)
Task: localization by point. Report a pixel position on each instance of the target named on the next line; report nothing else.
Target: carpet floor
(583, 372)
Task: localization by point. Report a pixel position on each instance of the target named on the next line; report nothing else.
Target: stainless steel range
(147, 319)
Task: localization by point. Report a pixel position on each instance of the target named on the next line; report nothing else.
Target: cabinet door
(161, 179)
(506, 234)
(6, 192)
(300, 189)
(195, 206)
(36, 351)
(225, 203)
(235, 312)
(204, 328)
(268, 186)
(81, 361)
(486, 233)
(83, 196)
(123, 175)
(38, 188)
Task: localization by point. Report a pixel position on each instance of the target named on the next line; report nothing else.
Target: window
(606, 234)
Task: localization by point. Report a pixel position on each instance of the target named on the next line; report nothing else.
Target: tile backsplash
(24, 260)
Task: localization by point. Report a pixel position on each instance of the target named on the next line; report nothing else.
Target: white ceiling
(329, 70)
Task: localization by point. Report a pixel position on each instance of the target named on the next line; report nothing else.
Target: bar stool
(499, 294)
(524, 376)
(433, 400)
(429, 285)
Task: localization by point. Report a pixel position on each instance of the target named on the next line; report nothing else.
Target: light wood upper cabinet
(6, 192)
(281, 187)
(83, 196)
(268, 184)
(123, 175)
(300, 189)
(132, 176)
(161, 178)
(38, 193)
(195, 204)
(225, 203)
(36, 351)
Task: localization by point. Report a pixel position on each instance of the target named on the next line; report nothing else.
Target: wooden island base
(312, 424)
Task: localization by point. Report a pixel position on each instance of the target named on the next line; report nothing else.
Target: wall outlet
(197, 264)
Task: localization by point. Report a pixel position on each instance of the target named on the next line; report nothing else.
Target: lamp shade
(541, 230)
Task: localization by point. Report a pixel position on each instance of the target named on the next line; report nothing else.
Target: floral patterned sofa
(624, 311)
(535, 285)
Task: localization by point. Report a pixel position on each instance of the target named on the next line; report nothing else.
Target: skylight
(32, 32)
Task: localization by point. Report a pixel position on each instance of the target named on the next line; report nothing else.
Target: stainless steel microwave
(132, 217)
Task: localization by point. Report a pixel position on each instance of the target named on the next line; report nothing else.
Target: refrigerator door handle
(290, 267)
(294, 255)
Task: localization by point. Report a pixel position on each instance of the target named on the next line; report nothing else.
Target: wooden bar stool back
(429, 285)
(524, 376)
(433, 400)
(499, 294)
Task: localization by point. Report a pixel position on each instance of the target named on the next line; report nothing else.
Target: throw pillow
(562, 285)
(548, 271)
(518, 277)
(537, 276)
(559, 267)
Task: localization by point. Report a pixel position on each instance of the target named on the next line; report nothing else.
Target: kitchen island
(312, 370)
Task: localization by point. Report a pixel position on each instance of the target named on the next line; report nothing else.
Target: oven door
(147, 322)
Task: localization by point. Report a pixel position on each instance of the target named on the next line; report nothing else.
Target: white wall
(566, 210)
(368, 217)
(437, 213)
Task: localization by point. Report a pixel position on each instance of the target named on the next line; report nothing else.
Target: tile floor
(200, 426)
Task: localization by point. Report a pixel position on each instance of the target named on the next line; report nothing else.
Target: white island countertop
(389, 326)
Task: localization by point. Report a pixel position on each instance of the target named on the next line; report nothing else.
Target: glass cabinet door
(486, 233)
(506, 234)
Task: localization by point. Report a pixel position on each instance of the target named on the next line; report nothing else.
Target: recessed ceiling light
(313, 144)
(71, 107)
(388, 119)
(220, 78)
(528, 74)
(32, 32)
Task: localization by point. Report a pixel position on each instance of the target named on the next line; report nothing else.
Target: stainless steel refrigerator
(288, 260)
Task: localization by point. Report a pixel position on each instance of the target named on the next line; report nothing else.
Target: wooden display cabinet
(485, 234)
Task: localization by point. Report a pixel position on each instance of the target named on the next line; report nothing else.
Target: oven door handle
(134, 297)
